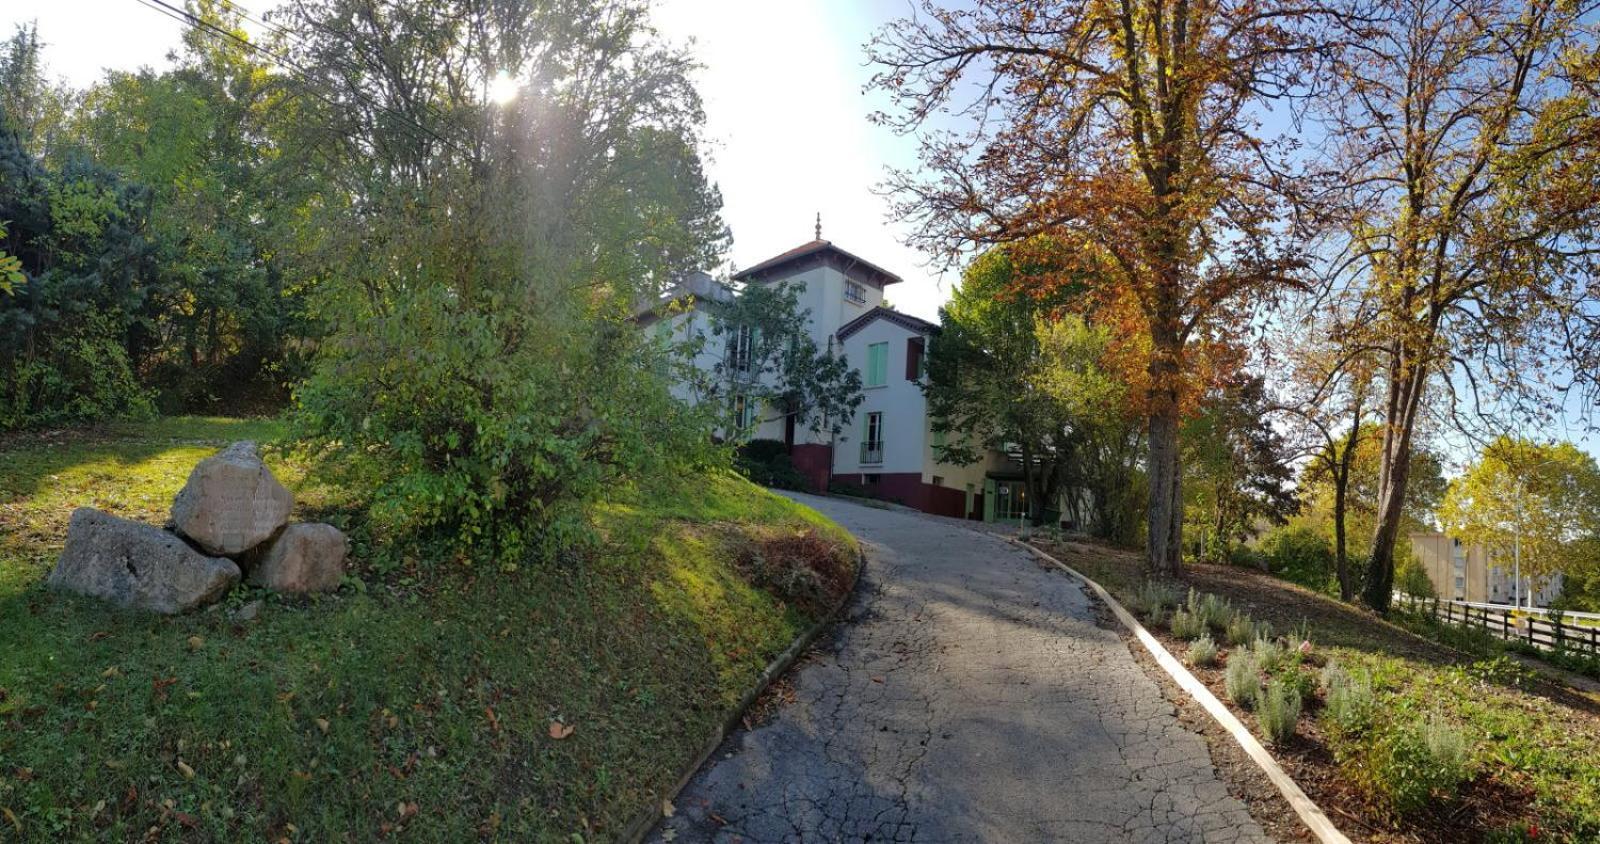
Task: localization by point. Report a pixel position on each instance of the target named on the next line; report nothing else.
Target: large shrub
(767, 462)
(1409, 765)
(80, 374)
(490, 428)
(1409, 576)
(1300, 553)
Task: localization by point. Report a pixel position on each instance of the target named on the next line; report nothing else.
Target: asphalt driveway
(968, 695)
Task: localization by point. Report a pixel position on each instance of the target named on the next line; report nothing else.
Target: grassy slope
(1537, 746)
(392, 707)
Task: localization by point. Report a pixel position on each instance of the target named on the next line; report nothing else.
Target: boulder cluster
(230, 521)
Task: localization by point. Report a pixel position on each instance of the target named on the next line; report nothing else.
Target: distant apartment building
(1470, 573)
(889, 451)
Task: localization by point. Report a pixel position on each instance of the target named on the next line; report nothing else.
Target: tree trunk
(1406, 383)
(1027, 483)
(1341, 497)
(1165, 546)
(1164, 549)
(1341, 561)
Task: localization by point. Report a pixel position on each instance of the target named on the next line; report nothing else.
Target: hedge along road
(967, 695)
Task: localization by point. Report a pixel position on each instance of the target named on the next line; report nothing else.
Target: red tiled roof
(921, 326)
(808, 249)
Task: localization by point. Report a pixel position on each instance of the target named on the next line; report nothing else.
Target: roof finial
(819, 225)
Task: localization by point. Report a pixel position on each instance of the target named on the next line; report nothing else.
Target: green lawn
(404, 703)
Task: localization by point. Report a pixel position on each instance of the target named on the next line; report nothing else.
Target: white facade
(888, 448)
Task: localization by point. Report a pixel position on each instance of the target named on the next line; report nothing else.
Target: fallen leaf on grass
(99, 635)
(559, 731)
(13, 818)
(194, 643)
(667, 809)
(322, 724)
(183, 768)
(158, 687)
(494, 721)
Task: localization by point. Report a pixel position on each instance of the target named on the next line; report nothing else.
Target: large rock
(303, 558)
(132, 564)
(232, 503)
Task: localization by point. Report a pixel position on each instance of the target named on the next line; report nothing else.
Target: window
(741, 346)
(872, 442)
(854, 292)
(938, 480)
(744, 412)
(877, 365)
(916, 366)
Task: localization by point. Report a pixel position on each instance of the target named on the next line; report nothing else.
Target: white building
(888, 450)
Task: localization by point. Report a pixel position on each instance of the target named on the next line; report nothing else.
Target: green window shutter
(877, 364)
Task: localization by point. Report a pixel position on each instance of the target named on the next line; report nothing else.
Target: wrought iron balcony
(871, 453)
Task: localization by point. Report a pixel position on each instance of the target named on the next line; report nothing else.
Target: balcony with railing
(871, 453)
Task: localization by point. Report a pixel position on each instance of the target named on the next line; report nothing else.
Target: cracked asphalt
(967, 695)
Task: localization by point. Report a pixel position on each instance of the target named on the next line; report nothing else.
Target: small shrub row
(1402, 765)
(1203, 652)
(1186, 625)
(1278, 708)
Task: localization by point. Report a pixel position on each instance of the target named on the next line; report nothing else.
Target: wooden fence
(1509, 624)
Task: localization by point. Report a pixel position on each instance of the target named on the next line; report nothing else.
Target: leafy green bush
(1202, 652)
(1302, 683)
(1408, 767)
(1300, 553)
(1278, 710)
(1411, 578)
(1245, 556)
(1186, 625)
(488, 428)
(767, 462)
(79, 375)
(1243, 678)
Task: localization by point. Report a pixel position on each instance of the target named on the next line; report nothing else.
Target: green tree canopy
(1424, 492)
(769, 357)
(1543, 498)
(1011, 372)
(1236, 466)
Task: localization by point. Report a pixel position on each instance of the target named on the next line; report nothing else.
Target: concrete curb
(1310, 813)
(646, 820)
